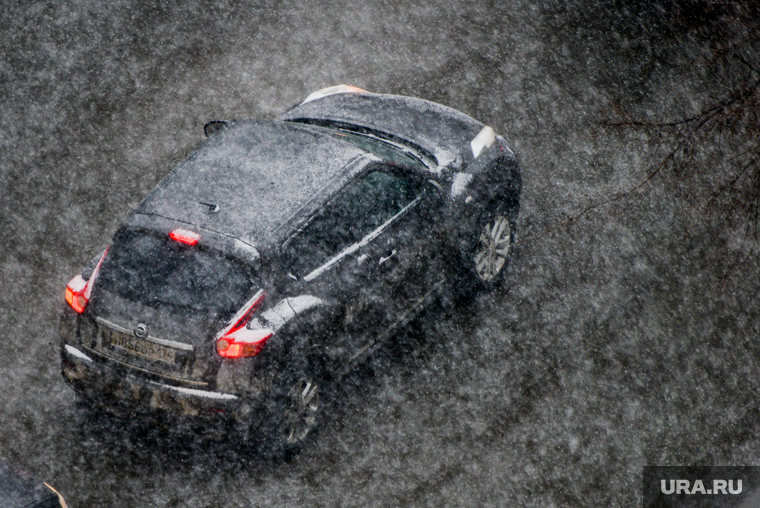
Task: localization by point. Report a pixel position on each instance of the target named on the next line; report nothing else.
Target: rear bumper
(125, 394)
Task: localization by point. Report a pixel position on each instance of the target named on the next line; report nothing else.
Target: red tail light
(78, 290)
(75, 294)
(243, 343)
(236, 340)
(185, 236)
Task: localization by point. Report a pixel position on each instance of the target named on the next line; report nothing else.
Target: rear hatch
(158, 303)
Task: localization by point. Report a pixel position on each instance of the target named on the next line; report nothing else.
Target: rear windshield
(153, 269)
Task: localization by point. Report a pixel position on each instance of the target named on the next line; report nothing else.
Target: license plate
(139, 347)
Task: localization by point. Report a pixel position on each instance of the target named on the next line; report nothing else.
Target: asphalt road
(619, 340)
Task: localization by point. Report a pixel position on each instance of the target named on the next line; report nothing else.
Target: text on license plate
(140, 347)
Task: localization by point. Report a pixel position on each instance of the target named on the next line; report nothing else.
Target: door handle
(384, 259)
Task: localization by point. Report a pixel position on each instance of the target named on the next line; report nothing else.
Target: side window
(376, 198)
(361, 207)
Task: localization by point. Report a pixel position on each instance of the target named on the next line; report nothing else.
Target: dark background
(623, 338)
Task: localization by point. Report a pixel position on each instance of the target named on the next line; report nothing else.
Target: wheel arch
(299, 324)
(493, 188)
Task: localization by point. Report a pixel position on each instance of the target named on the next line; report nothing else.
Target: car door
(402, 250)
(368, 249)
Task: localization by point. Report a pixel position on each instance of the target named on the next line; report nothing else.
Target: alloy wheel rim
(493, 248)
(301, 413)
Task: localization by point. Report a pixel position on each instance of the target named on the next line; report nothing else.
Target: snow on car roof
(444, 132)
(250, 178)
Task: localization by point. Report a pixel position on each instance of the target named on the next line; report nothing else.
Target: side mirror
(213, 127)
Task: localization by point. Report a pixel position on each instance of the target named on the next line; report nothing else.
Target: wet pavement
(619, 340)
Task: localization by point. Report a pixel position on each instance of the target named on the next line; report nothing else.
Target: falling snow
(625, 337)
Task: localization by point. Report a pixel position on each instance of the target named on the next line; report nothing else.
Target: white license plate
(139, 347)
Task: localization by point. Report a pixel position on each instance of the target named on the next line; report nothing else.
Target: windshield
(386, 151)
(152, 269)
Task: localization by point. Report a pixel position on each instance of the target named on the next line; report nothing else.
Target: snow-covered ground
(620, 340)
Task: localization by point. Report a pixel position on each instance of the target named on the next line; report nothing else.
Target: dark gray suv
(280, 253)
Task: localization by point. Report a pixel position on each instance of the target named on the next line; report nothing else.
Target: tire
(489, 250)
(295, 408)
(493, 250)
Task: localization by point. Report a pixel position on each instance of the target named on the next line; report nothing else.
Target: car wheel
(493, 249)
(485, 250)
(295, 408)
(301, 410)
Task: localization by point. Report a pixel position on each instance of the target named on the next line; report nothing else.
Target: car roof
(439, 130)
(251, 177)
